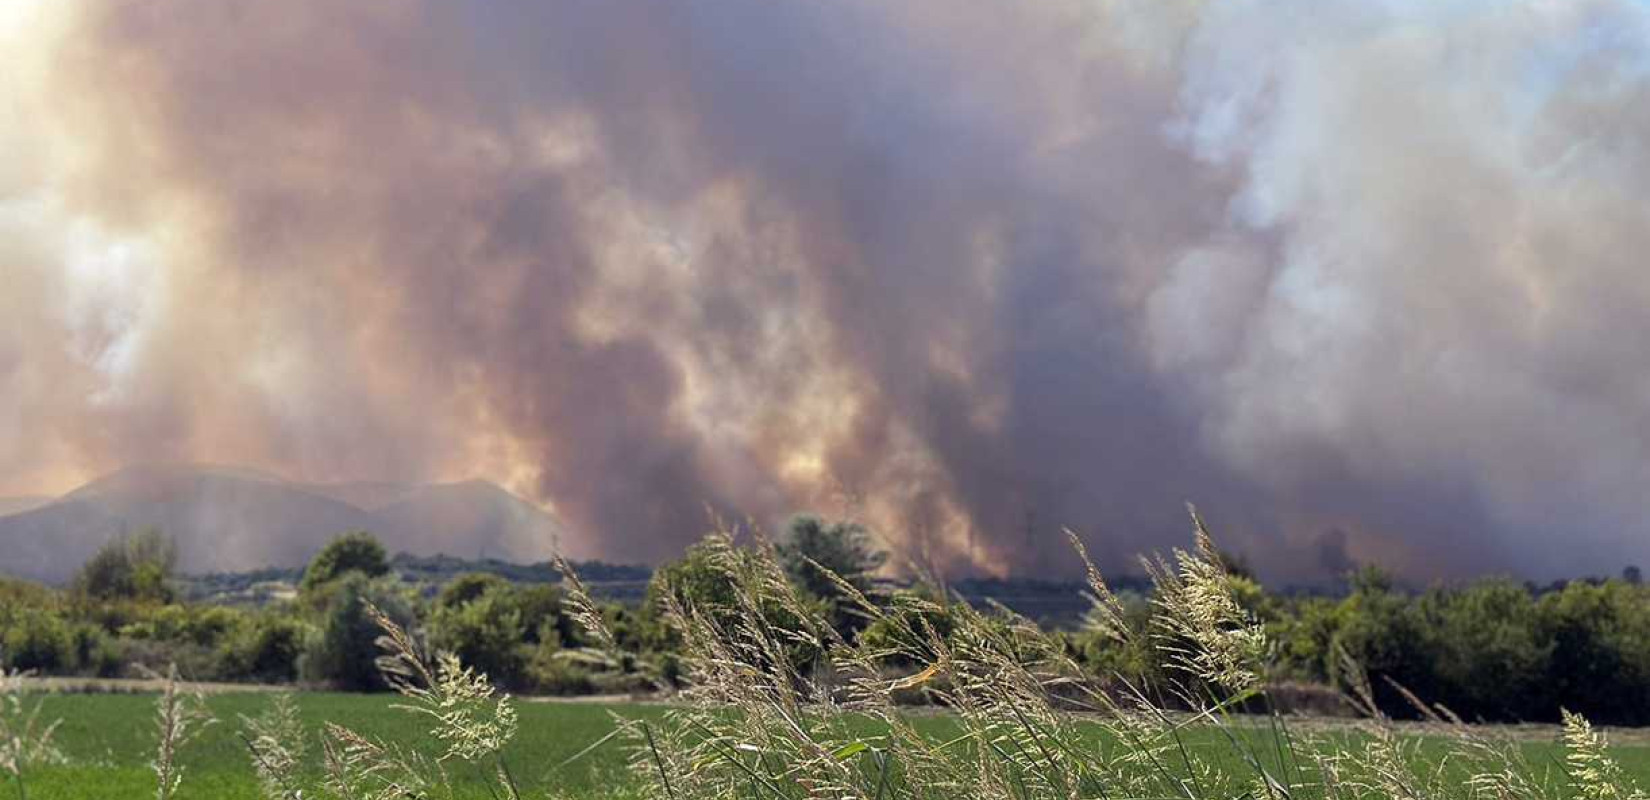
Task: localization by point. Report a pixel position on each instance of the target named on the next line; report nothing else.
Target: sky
(1363, 280)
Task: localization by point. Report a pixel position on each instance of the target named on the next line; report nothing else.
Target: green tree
(38, 640)
(135, 567)
(1600, 637)
(910, 617)
(695, 579)
(541, 614)
(468, 586)
(704, 582)
(343, 651)
(486, 632)
(1487, 649)
(1383, 632)
(812, 548)
(356, 551)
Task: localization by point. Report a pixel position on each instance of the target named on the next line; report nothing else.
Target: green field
(109, 739)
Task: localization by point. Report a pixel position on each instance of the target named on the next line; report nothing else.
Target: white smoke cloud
(1448, 192)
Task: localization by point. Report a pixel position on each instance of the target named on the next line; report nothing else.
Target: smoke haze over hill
(1365, 280)
(225, 519)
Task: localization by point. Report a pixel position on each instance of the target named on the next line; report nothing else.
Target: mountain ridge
(232, 518)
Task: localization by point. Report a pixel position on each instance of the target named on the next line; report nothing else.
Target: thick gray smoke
(1363, 279)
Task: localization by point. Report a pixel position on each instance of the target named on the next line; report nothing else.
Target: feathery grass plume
(1480, 761)
(471, 719)
(25, 740)
(180, 715)
(1107, 616)
(1495, 764)
(604, 652)
(358, 768)
(750, 706)
(579, 606)
(1201, 627)
(1594, 775)
(275, 743)
(753, 720)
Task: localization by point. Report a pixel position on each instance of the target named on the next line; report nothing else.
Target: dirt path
(61, 685)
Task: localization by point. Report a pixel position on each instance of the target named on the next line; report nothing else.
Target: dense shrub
(1600, 636)
(705, 579)
(550, 672)
(468, 586)
(541, 615)
(1492, 649)
(39, 640)
(266, 649)
(16, 594)
(200, 625)
(486, 632)
(921, 608)
(342, 651)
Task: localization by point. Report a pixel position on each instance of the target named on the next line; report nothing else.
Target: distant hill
(228, 519)
(497, 523)
(361, 494)
(17, 505)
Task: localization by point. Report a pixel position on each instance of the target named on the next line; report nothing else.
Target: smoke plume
(1363, 279)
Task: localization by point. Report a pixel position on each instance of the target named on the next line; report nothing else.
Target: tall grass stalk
(25, 739)
(180, 715)
(275, 742)
(468, 721)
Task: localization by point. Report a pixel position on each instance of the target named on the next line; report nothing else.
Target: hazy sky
(1366, 280)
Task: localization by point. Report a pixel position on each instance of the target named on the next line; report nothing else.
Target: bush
(16, 594)
(106, 657)
(550, 672)
(468, 586)
(1600, 637)
(704, 579)
(343, 651)
(199, 625)
(1489, 652)
(266, 650)
(485, 632)
(920, 609)
(39, 641)
(541, 615)
(1492, 649)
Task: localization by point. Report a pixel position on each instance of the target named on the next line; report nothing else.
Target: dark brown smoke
(1361, 281)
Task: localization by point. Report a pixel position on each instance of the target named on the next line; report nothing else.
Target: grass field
(109, 739)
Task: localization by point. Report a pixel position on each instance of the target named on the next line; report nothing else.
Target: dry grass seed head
(1594, 775)
(275, 744)
(180, 715)
(1200, 625)
(25, 740)
(470, 717)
